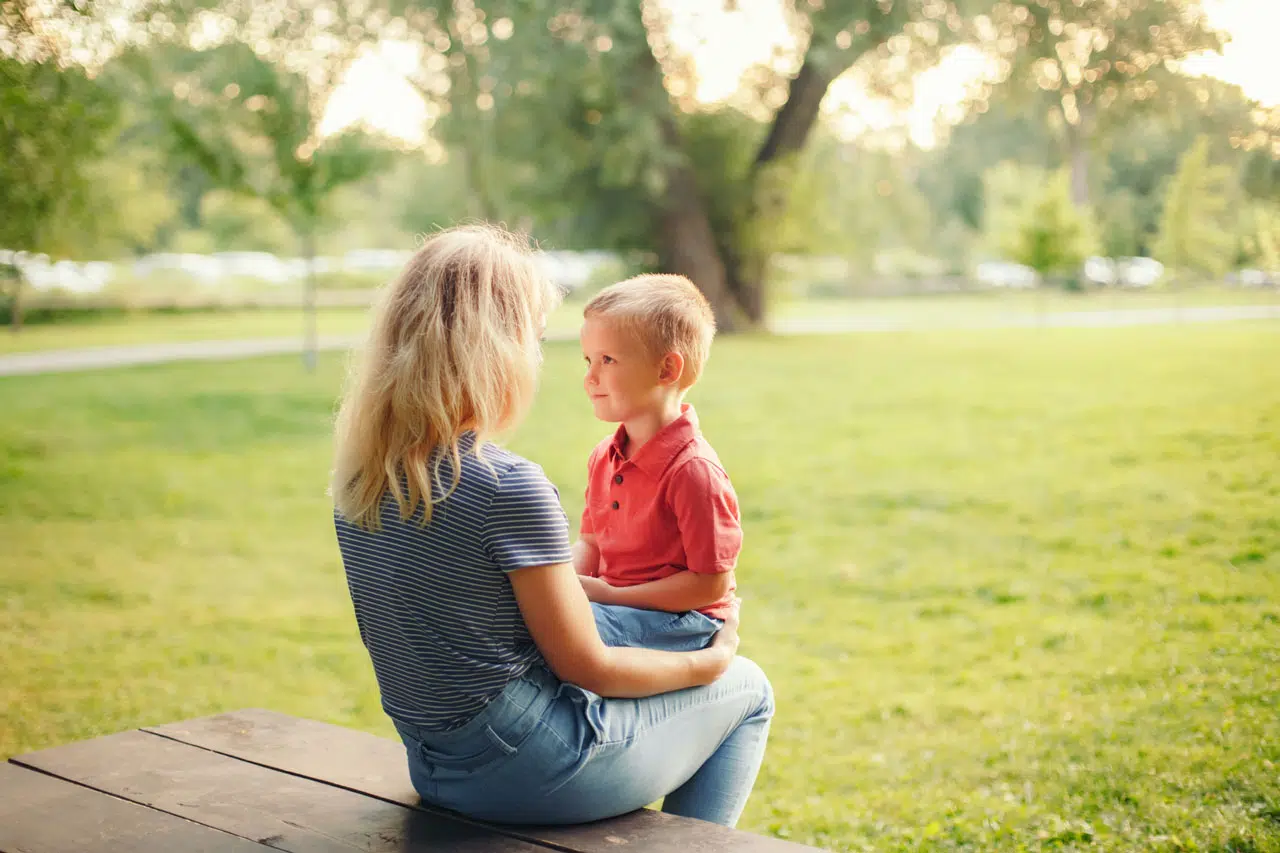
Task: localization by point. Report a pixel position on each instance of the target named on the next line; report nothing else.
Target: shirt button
(617, 478)
(615, 504)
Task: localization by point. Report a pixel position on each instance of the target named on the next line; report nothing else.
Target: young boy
(660, 533)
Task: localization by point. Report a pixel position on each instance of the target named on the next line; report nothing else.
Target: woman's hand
(726, 640)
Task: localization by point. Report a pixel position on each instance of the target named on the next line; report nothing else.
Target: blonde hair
(666, 312)
(454, 347)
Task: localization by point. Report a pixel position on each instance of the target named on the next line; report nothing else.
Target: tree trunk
(796, 118)
(747, 266)
(310, 334)
(478, 183)
(15, 306)
(1077, 143)
(1078, 157)
(686, 241)
(732, 276)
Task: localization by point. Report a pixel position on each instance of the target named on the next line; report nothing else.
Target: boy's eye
(608, 359)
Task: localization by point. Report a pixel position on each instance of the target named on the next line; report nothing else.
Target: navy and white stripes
(435, 610)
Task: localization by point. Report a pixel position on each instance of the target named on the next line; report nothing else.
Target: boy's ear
(672, 368)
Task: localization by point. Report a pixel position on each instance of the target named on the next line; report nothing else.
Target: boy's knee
(754, 678)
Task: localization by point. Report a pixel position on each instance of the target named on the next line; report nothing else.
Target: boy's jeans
(654, 629)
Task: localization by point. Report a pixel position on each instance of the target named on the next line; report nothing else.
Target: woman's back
(435, 609)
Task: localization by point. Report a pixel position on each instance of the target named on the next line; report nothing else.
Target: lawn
(149, 327)
(925, 311)
(1015, 589)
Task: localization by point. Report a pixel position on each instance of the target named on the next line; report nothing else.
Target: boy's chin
(603, 413)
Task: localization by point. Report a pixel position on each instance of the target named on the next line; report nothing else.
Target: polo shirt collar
(657, 453)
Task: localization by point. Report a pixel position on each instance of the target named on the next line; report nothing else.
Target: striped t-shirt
(435, 609)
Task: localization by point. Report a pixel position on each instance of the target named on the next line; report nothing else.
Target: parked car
(260, 265)
(204, 268)
(375, 260)
(1100, 271)
(1139, 272)
(1256, 278)
(1006, 274)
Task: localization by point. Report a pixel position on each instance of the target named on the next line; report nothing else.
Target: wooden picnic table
(254, 780)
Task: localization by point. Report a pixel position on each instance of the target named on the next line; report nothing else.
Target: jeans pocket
(694, 622)
(468, 757)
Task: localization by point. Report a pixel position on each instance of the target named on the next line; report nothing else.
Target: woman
(458, 562)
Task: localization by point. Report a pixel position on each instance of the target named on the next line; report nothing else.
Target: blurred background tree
(252, 126)
(584, 124)
(1195, 228)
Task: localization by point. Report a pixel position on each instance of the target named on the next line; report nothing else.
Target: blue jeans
(548, 752)
(654, 629)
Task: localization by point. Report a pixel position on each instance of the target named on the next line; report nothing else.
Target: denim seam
(640, 731)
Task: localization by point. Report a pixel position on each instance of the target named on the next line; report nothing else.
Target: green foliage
(1121, 225)
(1032, 220)
(252, 127)
(55, 124)
(1036, 609)
(1259, 236)
(238, 221)
(1054, 235)
(1195, 230)
(1090, 65)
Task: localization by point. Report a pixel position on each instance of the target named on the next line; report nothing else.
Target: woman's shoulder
(503, 468)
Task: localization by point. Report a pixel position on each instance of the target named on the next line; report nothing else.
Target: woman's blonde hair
(666, 313)
(453, 348)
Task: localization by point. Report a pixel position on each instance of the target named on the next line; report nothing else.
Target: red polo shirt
(669, 508)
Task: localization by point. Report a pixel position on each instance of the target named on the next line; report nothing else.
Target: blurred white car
(1006, 274)
(1257, 278)
(375, 260)
(260, 265)
(201, 267)
(1139, 272)
(1100, 271)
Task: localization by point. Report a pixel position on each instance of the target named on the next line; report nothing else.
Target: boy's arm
(586, 556)
(674, 594)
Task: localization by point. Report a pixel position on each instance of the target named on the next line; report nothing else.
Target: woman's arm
(560, 621)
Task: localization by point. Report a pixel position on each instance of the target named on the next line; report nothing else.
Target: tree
(588, 104)
(245, 222)
(55, 124)
(1195, 233)
(252, 126)
(1053, 236)
(1094, 61)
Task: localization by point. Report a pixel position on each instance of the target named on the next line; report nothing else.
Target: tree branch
(796, 118)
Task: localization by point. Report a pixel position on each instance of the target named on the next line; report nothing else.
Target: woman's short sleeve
(525, 525)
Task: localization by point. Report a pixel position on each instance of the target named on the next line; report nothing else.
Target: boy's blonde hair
(454, 347)
(666, 312)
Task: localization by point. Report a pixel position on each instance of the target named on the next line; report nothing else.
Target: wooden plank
(376, 766)
(41, 814)
(257, 803)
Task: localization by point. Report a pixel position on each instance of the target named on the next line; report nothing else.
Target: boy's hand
(597, 590)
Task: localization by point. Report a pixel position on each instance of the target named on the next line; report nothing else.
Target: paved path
(64, 360)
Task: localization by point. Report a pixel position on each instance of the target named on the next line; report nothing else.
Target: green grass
(171, 327)
(1016, 590)
(923, 311)
(992, 305)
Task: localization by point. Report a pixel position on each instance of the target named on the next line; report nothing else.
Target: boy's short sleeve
(525, 525)
(706, 510)
(585, 527)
